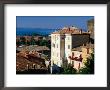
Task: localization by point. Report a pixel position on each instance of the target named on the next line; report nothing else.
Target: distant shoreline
(37, 31)
(31, 31)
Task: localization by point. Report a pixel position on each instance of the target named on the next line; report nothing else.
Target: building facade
(80, 54)
(63, 41)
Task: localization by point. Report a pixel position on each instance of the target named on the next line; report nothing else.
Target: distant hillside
(31, 31)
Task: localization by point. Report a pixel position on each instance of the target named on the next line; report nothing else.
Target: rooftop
(69, 30)
(22, 61)
(32, 48)
(77, 49)
(83, 46)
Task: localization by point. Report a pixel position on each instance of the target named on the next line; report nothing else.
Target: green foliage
(89, 66)
(28, 43)
(32, 42)
(22, 40)
(43, 43)
(69, 70)
(18, 43)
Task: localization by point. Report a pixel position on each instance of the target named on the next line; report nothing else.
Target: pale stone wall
(62, 45)
(76, 53)
(85, 54)
(68, 46)
(74, 63)
(57, 50)
(53, 49)
(90, 25)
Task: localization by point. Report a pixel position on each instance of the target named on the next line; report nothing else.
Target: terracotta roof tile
(69, 30)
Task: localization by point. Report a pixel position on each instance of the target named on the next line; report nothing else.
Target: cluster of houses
(69, 45)
(31, 57)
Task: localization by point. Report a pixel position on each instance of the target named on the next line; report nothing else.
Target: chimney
(81, 31)
(69, 28)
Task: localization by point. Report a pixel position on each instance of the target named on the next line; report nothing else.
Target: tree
(28, 43)
(43, 43)
(89, 66)
(32, 42)
(22, 40)
(69, 70)
(18, 43)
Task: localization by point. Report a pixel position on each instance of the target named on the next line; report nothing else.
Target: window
(53, 45)
(62, 37)
(68, 46)
(79, 66)
(87, 50)
(73, 63)
(57, 45)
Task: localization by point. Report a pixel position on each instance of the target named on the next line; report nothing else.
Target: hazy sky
(52, 22)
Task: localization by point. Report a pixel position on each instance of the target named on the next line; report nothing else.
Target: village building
(64, 41)
(80, 54)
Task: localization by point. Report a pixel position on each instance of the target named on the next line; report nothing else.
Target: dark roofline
(81, 34)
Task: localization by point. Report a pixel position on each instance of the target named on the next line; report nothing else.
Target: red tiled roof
(69, 30)
(22, 61)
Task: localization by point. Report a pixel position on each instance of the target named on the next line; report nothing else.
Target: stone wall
(79, 39)
(90, 26)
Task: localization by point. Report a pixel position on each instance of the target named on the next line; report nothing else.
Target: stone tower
(90, 26)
